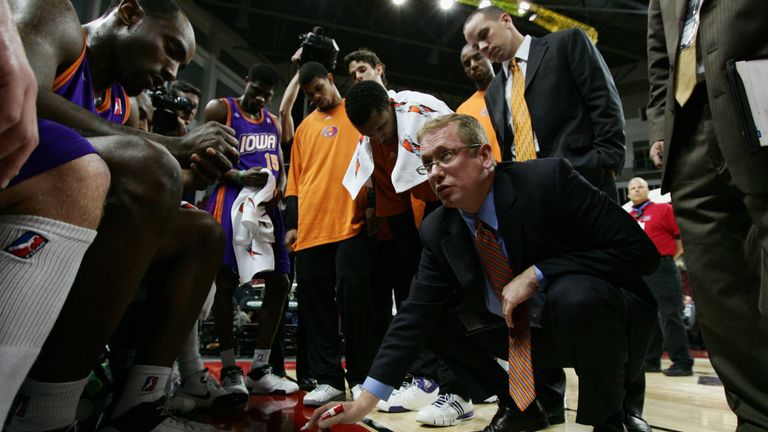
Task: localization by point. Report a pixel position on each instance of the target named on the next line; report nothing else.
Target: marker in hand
(338, 409)
(334, 410)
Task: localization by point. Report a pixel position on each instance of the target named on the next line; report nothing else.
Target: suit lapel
(460, 252)
(681, 6)
(510, 224)
(495, 95)
(536, 53)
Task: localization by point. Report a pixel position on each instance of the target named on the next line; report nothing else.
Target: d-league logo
(27, 245)
(118, 106)
(149, 384)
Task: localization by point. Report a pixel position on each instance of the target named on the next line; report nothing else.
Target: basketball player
(258, 132)
(137, 43)
(42, 241)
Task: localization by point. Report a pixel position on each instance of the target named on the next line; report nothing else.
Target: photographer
(181, 88)
(173, 109)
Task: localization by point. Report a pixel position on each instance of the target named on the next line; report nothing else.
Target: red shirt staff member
(658, 221)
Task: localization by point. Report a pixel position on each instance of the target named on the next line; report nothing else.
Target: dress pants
(725, 234)
(409, 247)
(670, 334)
(334, 282)
(585, 324)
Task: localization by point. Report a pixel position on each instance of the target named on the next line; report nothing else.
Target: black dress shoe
(635, 423)
(512, 420)
(556, 417)
(677, 371)
(652, 367)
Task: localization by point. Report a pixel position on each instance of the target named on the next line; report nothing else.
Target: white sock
(260, 357)
(227, 357)
(39, 258)
(46, 406)
(189, 358)
(144, 384)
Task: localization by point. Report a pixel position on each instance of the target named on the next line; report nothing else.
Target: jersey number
(273, 163)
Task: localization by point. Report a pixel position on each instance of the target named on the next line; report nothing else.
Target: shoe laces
(443, 400)
(324, 388)
(210, 381)
(232, 375)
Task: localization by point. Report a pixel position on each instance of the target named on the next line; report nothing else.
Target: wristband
(240, 175)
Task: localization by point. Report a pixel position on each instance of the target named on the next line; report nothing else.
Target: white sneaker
(206, 392)
(413, 395)
(356, 391)
(262, 381)
(153, 417)
(232, 382)
(180, 405)
(323, 394)
(447, 410)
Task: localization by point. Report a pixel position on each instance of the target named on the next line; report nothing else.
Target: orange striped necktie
(499, 273)
(521, 118)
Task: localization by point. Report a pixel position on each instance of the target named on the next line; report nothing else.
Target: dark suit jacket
(548, 216)
(574, 105)
(728, 30)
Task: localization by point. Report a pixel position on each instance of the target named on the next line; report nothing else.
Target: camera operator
(316, 46)
(171, 110)
(181, 88)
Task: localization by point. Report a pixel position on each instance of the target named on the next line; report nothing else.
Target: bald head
(638, 190)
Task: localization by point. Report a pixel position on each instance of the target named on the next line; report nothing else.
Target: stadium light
(398, 2)
(484, 3)
(446, 4)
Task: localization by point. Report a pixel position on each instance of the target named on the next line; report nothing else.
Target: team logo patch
(484, 112)
(22, 407)
(402, 107)
(118, 106)
(329, 131)
(149, 384)
(27, 245)
(411, 146)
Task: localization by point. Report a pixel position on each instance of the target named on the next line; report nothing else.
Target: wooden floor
(671, 404)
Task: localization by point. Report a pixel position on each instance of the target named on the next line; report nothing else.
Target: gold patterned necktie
(685, 73)
(499, 273)
(521, 118)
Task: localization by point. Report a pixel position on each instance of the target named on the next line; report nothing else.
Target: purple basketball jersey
(59, 144)
(75, 83)
(258, 147)
(116, 106)
(258, 139)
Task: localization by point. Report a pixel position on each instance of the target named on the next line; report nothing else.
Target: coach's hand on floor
(352, 412)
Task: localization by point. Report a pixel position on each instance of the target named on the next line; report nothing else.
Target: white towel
(412, 111)
(252, 230)
(360, 168)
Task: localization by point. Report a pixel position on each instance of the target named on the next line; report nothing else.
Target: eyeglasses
(444, 159)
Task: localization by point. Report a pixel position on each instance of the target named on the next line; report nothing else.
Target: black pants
(586, 324)
(334, 282)
(670, 334)
(409, 247)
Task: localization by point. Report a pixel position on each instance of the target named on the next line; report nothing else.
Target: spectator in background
(658, 221)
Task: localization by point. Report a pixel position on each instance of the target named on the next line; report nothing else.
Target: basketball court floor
(685, 404)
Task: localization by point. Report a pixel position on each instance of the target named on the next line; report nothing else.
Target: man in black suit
(574, 106)
(575, 113)
(579, 260)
